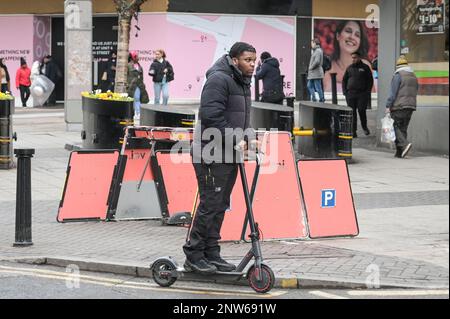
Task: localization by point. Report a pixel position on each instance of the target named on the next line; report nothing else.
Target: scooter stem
(256, 246)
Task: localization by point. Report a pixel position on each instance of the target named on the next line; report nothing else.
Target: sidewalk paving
(402, 208)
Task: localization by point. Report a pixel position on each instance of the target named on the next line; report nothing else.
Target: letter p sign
(328, 198)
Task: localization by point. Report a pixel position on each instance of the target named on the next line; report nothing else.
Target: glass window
(424, 41)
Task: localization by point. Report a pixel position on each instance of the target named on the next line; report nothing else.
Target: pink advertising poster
(41, 37)
(30, 39)
(16, 42)
(194, 42)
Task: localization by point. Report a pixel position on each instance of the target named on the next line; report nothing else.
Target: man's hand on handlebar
(241, 146)
(255, 145)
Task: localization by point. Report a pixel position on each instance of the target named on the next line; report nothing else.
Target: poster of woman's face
(339, 39)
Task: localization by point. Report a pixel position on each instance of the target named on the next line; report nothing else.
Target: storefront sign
(430, 15)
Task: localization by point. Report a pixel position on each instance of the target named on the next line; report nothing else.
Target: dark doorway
(104, 41)
(104, 38)
(58, 54)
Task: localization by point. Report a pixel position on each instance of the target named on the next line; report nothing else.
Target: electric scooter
(260, 277)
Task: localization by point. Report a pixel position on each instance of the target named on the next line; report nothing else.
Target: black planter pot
(104, 122)
(6, 134)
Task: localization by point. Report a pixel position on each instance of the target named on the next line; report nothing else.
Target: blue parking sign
(328, 198)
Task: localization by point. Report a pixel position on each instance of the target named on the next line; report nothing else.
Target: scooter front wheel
(267, 279)
(162, 271)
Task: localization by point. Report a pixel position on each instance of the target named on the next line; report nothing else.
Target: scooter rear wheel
(162, 273)
(267, 279)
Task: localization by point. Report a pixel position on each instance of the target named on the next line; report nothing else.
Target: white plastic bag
(41, 89)
(387, 129)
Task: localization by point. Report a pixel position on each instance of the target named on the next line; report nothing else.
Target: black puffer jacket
(224, 106)
(357, 79)
(269, 72)
(157, 71)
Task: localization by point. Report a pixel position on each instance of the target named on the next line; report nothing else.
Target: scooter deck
(229, 275)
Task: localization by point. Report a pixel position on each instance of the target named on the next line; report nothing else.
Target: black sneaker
(366, 131)
(221, 264)
(200, 266)
(406, 150)
(355, 135)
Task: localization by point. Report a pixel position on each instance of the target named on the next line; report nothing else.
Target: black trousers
(215, 184)
(52, 99)
(24, 94)
(358, 102)
(401, 121)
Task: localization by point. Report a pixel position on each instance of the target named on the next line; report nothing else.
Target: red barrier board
(88, 183)
(179, 180)
(137, 160)
(277, 205)
(328, 198)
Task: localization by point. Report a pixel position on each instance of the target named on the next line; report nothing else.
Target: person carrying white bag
(401, 103)
(387, 129)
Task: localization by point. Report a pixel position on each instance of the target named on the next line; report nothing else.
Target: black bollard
(304, 94)
(23, 197)
(333, 88)
(290, 101)
(257, 96)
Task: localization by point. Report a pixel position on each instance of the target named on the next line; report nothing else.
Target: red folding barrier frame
(178, 181)
(277, 204)
(143, 193)
(89, 181)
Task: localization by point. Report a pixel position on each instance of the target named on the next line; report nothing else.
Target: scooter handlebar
(246, 152)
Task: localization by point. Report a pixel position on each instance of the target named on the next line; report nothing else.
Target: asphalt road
(23, 281)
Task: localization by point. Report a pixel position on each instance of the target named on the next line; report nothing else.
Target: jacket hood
(273, 62)
(405, 69)
(225, 65)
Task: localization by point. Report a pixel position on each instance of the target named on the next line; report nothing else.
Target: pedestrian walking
(52, 71)
(224, 112)
(357, 84)
(4, 77)
(109, 75)
(268, 71)
(402, 102)
(23, 81)
(135, 85)
(315, 72)
(162, 73)
(35, 67)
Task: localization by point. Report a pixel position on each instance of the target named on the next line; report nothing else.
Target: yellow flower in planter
(110, 96)
(5, 96)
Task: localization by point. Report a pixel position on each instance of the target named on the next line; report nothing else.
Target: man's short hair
(240, 47)
(265, 55)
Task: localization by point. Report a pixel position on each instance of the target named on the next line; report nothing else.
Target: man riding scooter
(223, 116)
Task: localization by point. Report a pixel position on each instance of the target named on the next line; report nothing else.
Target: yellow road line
(109, 282)
(326, 295)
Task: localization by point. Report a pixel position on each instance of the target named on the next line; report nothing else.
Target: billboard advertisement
(339, 39)
(194, 42)
(430, 16)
